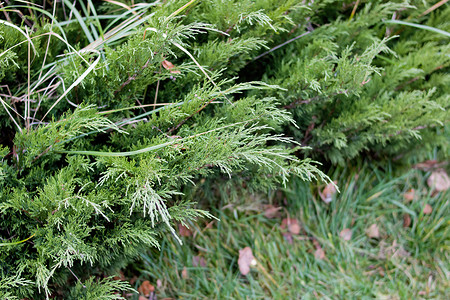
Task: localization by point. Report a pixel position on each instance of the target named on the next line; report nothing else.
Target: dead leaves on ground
(406, 220)
(373, 232)
(246, 260)
(272, 212)
(427, 209)
(198, 261)
(292, 225)
(328, 192)
(439, 181)
(319, 253)
(184, 273)
(409, 195)
(146, 288)
(346, 234)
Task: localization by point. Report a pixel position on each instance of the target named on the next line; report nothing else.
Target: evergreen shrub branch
(113, 116)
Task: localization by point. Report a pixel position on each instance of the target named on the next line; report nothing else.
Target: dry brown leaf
(169, 66)
(246, 259)
(272, 212)
(328, 192)
(406, 220)
(198, 261)
(409, 195)
(184, 231)
(146, 288)
(373, 231)
(427, 209)
(319, 253)
(439, 181)
(184, 273)
(346, 234)
(291, 224)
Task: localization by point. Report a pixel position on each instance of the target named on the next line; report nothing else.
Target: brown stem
(132, 77)
(184, 121)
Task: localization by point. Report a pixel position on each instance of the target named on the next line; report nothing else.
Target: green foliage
(354, 91)
(111, 115)
(90, 177)
(104, 289)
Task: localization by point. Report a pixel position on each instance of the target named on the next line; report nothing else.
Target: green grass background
(403, 263)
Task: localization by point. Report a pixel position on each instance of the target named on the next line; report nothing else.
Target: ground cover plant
(117, 116)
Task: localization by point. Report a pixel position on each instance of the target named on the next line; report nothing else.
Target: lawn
(397, 249)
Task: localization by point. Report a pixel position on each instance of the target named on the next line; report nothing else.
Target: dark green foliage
(364, 86)
(102, 135)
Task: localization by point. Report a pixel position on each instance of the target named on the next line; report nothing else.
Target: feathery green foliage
(113, 111)
(93, 176)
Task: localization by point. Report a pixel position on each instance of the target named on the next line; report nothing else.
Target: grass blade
(16, 243)
(424, 27)
(151, 148)
(85, 73)
(80, 20)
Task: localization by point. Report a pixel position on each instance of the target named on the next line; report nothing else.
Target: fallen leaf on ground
(406, 220)
(184, 231)
(198, 261)
(373, 231)
(272, 212)
(319, 254)
(292, 225)
(409, 195)
(328, 192)
(346, 234)
(246, 259)
(146, 288)
(427, 209)
(439, 181)
(184, 273)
